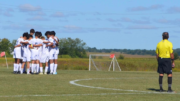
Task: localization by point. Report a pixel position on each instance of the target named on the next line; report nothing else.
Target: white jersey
(27, 51)
(18, 52)
(36, 42)
(56, 48)
(45, 50)
(51, 50)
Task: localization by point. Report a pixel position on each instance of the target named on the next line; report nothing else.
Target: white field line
(69, 95)
(98, 94)
(142, 92)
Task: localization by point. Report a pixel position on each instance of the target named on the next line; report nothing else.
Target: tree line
(77, 48)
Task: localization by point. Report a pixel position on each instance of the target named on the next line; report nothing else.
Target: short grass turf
(16, 87)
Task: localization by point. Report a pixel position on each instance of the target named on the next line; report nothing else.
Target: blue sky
(130, 24)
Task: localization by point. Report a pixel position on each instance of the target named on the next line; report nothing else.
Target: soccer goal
(103, 62)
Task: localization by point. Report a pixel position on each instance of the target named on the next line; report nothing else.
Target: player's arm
(46, 42)
(37, 45)
(172, 55)
(157, 53)
(17, 46)
(24, 42)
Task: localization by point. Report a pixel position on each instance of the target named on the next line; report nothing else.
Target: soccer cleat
(55, 73)
(45, 73)
(170, 91)
(40, 73)
(161, 90)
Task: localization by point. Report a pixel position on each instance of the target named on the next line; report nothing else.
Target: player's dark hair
(40, 34)
(53, 33)
(30, 36)
(37, 33)
(25, 34)
(47, 33)
(32, 31)
(165, 35)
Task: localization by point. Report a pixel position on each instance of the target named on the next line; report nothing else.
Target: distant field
(126, 55)
(127, 64)
(85, 86)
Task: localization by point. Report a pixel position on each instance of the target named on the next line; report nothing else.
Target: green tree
(121, 57)
(13, 43)
(176, 56)
(5, 45)
(72, 47)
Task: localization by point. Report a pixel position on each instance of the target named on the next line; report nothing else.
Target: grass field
(76, 85)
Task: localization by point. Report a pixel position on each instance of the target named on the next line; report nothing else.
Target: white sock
(32, 68)
(51, 68)
(41, 69)
(37, 68)
(15, 67)
(21, 70)
(55, 68)
(19, 67)
(27, 70)
(46, 69)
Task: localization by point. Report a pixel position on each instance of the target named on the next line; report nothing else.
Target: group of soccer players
(32, 51)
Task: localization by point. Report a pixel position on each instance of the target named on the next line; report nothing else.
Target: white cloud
(8, 11)
(39, 13)
(29, 8)
(141, 27)
(174, 10)
(58, 14)
(37, 18)
(142, 8)
(166, 21)
(7, 14)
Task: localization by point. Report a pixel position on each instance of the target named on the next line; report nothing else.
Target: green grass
(59, 89)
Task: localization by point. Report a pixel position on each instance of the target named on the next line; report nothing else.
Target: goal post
(101, 62)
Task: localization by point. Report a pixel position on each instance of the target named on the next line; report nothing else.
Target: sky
(109, 24)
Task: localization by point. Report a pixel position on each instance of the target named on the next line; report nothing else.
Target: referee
(165, 58)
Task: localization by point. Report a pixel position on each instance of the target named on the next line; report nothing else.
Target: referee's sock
(169, 83)
(160, 82)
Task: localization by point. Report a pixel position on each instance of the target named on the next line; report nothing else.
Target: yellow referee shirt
(164, 49)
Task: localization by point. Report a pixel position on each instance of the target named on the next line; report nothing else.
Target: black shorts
(164, 66)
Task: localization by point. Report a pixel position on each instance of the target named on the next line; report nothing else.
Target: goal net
(103, 62)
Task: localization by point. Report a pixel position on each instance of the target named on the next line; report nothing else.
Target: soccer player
(45, 57)
(17, 55)
(36, 42)
(51, 51)
(26, 44)
(56, 43)
(32, 31)
(165, 58)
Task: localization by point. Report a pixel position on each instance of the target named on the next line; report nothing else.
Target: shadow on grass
(153, 89)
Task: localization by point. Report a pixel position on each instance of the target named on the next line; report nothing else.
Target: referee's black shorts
(164, 66)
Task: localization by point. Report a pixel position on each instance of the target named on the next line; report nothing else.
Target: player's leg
(46, 68)
(161, 73)
(37, 66)
(169, 82)
(160, 82)
(41, 68)
(169, 72)
(15, 66)
(28, 66)
(23, 64)
(55, 64)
